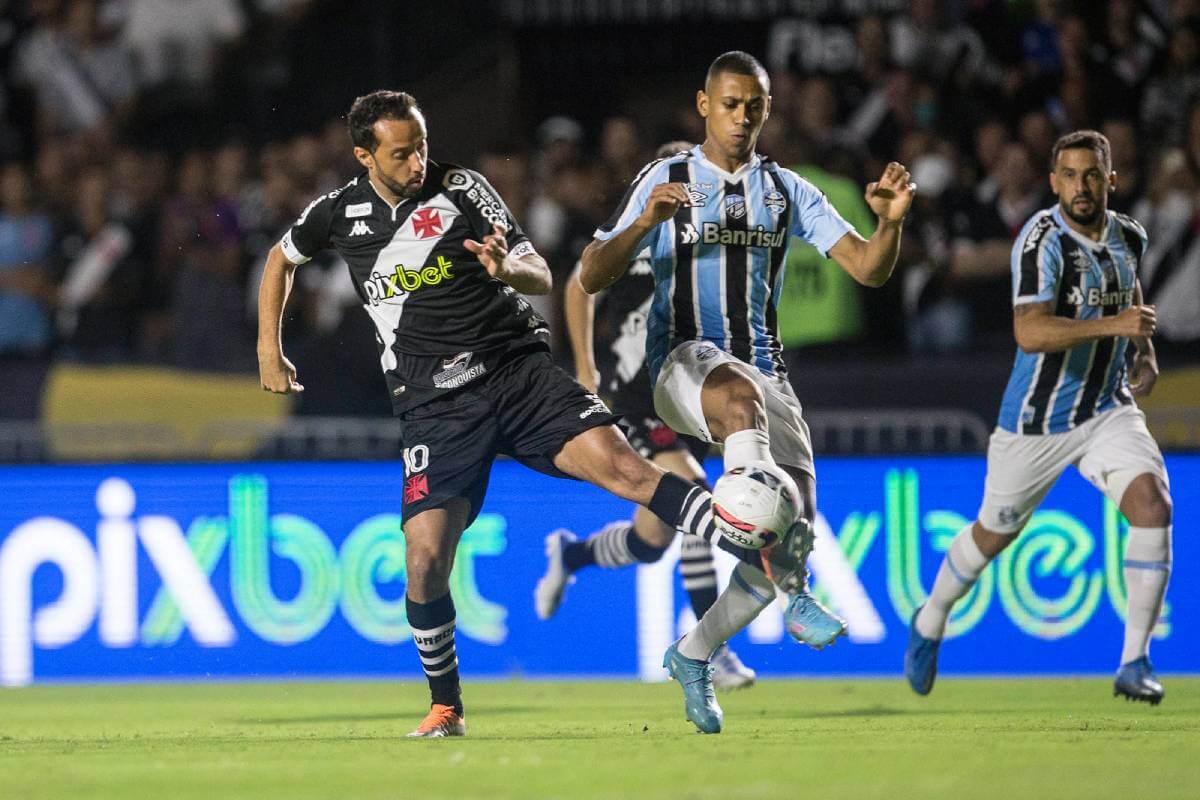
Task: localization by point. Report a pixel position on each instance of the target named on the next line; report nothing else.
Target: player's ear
(364, 156)
(702, 103)
(767, 109)
(1112, 181)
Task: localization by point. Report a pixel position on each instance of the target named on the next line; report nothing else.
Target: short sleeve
(814, 219)
(309, 234)
(633, 203)
(1036, 262)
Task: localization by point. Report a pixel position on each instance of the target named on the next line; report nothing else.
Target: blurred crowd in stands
(117, 247)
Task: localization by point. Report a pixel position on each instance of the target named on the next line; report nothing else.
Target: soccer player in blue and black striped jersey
(717, 220)
(1077, 306)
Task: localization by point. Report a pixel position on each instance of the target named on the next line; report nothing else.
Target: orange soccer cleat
(441, 721)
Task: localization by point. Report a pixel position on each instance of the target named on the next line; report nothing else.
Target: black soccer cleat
(1136, 681)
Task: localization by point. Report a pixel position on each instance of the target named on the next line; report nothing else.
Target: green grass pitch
(1019, 738)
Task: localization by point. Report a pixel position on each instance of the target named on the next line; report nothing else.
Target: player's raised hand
(891, 196)
(492, 251)
(277, 374)
(1143, 373)
(1136, 322)
(664, 200)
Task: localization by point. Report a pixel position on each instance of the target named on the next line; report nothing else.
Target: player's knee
(428, 566)
(1146, 503)
(991, 543)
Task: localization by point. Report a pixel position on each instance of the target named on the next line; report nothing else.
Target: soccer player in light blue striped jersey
(1077, 305)
(717, 220)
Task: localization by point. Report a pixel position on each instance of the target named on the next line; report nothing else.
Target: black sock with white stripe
(432, 626)
(699, 573)
(615, 545)
(688, 508)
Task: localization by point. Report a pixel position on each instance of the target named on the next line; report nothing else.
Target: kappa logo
(689, 234)
(361, 228)
(735, 206)
(427, 223)
(775, 202)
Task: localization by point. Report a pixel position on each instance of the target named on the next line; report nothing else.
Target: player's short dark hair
(668, 149)
(738, 62)
(370, 108)
(1087, 139)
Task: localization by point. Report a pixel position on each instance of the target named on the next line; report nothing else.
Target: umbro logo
(361, 228)
(689, 234)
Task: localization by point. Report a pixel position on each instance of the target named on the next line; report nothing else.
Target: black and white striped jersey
(441, 321)
(620, 336)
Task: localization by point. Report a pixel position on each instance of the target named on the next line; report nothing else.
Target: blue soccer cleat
(699, 700)
(811, 623)
(920, 659)
(1136, 681)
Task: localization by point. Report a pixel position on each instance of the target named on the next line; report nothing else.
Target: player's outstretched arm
(871, 261)
(605, 261)
(1038, 330)
(275, 372)
(522, 268)
(580, 308)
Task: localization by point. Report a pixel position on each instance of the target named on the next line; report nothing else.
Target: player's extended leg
(1146, 503)
(431, 538)
(970, 552)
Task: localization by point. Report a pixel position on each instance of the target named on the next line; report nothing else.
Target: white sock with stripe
(959, 571)
(1147, 570)
(748, 593)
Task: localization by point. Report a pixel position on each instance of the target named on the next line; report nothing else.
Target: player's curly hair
(1085, 139)
(370, 108)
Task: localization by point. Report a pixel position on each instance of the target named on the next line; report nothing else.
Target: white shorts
(1110, 450)
(677, 402)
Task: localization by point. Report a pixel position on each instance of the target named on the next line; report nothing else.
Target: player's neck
(729, 163)
(1095, 231)
(385, 194)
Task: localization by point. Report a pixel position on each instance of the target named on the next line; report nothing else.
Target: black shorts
(648, 435)
(527, 409)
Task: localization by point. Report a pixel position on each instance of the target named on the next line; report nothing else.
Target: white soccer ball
(755, 505)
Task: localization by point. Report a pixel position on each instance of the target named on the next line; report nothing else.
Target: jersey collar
(730, 177)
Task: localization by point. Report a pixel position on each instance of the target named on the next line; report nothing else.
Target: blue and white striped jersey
(718, 265)
(1054, 392)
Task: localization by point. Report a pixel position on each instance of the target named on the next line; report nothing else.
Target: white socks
(746, 447)
(748, 593)
(1147, 568)
(958, 573)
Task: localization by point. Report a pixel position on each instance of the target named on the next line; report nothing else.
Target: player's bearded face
(400, 159)
(1081, 184)
(734, 108)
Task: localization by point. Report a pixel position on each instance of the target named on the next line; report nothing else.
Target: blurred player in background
(717, 220)
(1077, 305)
(439, 264)
(622, 379)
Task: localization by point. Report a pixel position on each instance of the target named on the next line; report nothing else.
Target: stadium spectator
(26, 245)
(102, 283)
